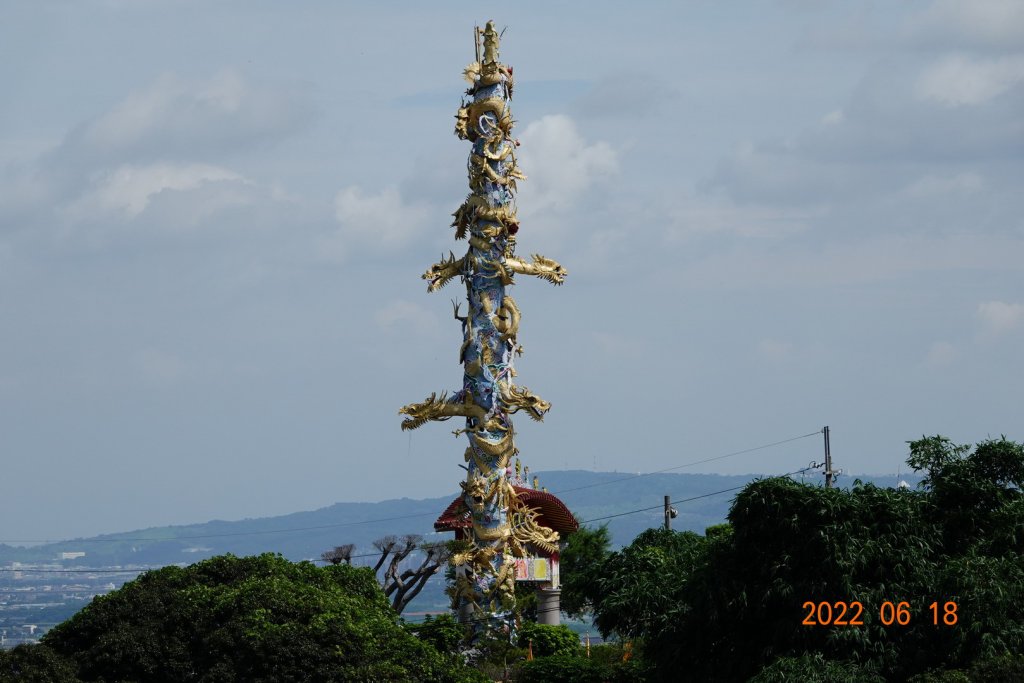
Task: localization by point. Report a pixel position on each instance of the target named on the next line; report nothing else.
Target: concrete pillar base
(549, 601)
(465, 614)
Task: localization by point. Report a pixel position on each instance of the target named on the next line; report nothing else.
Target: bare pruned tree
(339, 554)
(385, 545)
(401, 586)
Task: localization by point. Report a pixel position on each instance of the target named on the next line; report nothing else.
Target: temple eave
(553, 512)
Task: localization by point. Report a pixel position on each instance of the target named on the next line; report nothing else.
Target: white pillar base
(549, 602)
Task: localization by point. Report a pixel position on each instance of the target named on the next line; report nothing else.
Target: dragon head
(520, 398)
(550, 269)
(474, 493)
(442, 272)
(537, 407)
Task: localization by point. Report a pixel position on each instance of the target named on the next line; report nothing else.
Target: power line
(587, 521)
(686, 500)
(400, 517)
(691, 464)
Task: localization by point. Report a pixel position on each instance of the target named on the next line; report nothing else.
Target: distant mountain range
(705, 500)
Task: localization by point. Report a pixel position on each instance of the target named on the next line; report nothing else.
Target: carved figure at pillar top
(502, 526)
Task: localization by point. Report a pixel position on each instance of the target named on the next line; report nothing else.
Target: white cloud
(20, 191)
(128, 188)
(626, 95)
(959, 80)
(979, 23)
(892, 135)
(381, 220)
(693, 216)
(940, 354)
(999, 316)
(173, 116)
(162, 144)
(833, 118)
(869, 260)
(560, 164)
(782, 173)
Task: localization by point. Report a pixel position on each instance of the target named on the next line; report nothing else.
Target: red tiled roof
(552, 512)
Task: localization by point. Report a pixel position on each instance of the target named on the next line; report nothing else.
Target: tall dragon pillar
(501, 525)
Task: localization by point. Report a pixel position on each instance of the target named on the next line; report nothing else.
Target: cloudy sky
(213, 217)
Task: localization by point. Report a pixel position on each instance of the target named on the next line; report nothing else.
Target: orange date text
(890, 613)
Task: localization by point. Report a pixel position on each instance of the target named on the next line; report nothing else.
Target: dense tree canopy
(726, 605)
(585, 549)
(35, 664)
(259, 618)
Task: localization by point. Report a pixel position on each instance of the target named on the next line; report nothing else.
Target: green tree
(526, 601)
(935, 455)
(444, 632)
(814, 669)
(400, 581)
(549, 640)
(972, 492)
(642, 589)
(257, 618)
(496, 654)
(733, 603)
(563, 669)
(575, 669)
(1004, 669)
(585, 550)
(35, 664)
(941, 676)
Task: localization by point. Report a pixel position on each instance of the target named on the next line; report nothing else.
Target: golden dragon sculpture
(502, 527)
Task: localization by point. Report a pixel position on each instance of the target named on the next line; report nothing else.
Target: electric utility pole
(829, 473)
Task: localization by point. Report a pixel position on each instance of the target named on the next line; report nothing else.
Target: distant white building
(72, 555)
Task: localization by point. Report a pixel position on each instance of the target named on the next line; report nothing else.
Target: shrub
(814, 668)
(549, 640)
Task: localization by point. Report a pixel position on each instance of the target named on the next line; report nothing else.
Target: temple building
(539, 567)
